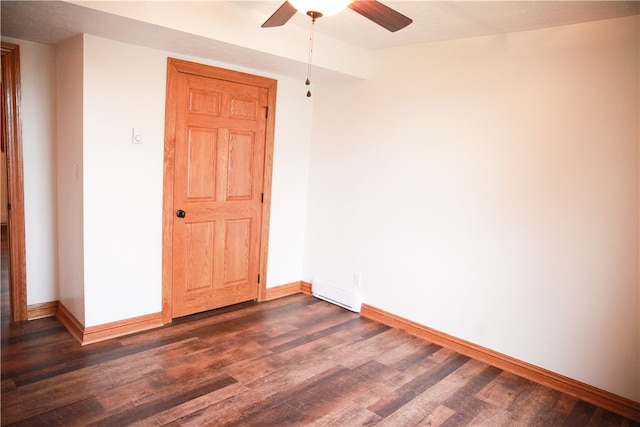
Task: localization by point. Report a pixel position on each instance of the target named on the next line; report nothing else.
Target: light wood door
(219, 158)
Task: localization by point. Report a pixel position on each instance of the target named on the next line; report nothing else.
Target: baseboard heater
(344, 298)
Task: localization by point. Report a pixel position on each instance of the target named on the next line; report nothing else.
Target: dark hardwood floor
(291, 361)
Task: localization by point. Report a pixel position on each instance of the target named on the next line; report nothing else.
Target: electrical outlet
(357, 280)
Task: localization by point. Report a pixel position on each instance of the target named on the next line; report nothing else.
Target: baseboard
(604, 399)
(305, 288)
(288, 289)
(106, 331)
(283, 290)
(69, 321)
(41, 310)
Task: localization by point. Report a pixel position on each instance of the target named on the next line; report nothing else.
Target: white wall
(488, 188)
(124, 86)
(39, 167)
(69, 177)
(290, 180)
(38, 90)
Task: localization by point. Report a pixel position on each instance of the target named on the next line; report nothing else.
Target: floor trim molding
(604, 399)
(106, 331)
(305, 288)
(288, 289)
(69, 321)
(41, 310)
(283, 290)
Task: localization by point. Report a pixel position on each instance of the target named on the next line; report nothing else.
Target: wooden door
(220, 136)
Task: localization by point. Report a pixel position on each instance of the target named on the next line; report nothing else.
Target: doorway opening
(11, 145)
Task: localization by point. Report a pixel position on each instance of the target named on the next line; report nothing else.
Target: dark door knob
(180, 213)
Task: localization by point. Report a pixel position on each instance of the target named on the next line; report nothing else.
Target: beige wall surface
(488, 188)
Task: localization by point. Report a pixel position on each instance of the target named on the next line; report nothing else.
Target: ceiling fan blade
(381, 14)
(280, 16)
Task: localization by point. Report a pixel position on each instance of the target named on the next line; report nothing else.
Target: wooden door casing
(218, 159)
(12, 142)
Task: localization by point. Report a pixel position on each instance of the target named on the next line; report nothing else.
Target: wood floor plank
(602, 418)
(33, 399)
(80, 412)
(505, 389)
(581, 414)
(439, 391)
(411, 359)
(538, 402)
(66, 362)
(360, 351)
(434, 397)
(429, 414)
(413, 388)
(288, 380)
(263, 396)
(259, 368)
(309, 326)
(562, 407)
(369, 328)
(465, 411)
(473, 386)
(148, 409)
(192, 409)
(141, 389)
(314, 400)
(464, 401)
(492, 416)
(348, 413)
(45, 394)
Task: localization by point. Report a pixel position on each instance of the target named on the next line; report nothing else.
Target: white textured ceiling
(451, 19)
(229, 31)
(51, 21)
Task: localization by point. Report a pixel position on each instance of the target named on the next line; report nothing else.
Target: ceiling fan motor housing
(314, 15)
(370, 9)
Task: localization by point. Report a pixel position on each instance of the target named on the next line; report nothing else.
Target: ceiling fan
(370, 9)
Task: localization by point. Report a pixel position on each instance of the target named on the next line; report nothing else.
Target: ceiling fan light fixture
(321, 7)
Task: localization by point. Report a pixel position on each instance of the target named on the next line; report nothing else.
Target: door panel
(200, 164)
(220, 140)
(237, 256)
(199, 249)
(240, 176)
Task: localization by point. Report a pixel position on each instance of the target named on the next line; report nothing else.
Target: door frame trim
(174, 68)
(12, 132)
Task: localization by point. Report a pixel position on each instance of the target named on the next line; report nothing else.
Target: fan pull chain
(308, 81)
